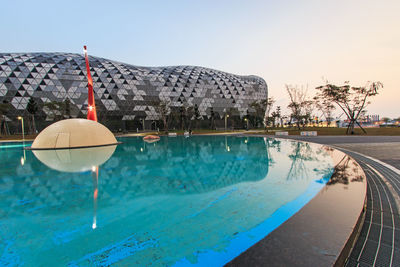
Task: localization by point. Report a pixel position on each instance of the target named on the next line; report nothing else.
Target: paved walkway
(378, 243)
(379, 240)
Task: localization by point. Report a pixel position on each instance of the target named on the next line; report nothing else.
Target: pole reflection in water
(23, 158)
(95, 178)
(226, 144)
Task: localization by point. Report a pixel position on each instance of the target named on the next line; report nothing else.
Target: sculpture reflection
(74, 160)
(78, 160)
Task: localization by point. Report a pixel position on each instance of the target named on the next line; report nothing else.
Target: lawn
(389, 131)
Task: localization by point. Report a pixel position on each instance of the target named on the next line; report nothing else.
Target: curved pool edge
(323, 232)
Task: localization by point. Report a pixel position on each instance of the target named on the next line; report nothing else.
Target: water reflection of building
(178, 165)
(139, 169)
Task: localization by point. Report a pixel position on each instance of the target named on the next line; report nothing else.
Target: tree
(259, 108)
(4, 108)
(282, 119)
(325, 106)
(163, 109)
(212, 118)
(299, 104)
(274, 115)
(308, 109)
(279, 115)
(55, 110)
(32, 108)
(269, 103)
(197, 115)
(234, 117)
(182, 117)
(188, 114)
(351, 100)
(173, 118)
(67, 105)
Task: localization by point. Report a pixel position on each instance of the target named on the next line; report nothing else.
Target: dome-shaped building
(126, 96)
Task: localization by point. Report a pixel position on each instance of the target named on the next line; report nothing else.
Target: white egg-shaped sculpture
(74, 133)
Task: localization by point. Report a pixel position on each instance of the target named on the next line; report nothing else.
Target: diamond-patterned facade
(123, 92)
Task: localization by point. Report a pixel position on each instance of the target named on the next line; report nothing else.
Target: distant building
(372, 118)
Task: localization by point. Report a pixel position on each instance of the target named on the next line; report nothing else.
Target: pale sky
(284, 42)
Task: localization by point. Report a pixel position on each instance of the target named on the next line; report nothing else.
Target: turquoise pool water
(200, 200)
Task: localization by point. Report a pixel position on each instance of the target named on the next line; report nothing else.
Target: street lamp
(142, 123)
(23, 132)
(247, 123)
(226, 121)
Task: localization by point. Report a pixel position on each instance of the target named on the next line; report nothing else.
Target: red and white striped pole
(92, 114)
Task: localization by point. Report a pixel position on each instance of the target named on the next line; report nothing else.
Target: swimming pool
(200, 200)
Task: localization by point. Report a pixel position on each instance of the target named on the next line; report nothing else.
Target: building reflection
(172, 166)
(58, 178)
(184, 166)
